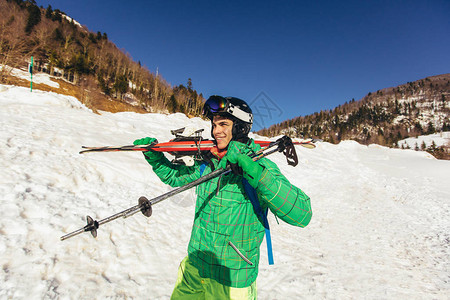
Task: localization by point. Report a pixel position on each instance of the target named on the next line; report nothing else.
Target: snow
(440, 139)
(72, 20)
(42, 78)
(430, 111)
(380, 229)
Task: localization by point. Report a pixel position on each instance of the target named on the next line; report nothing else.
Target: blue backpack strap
(251, 193)
(202, 168)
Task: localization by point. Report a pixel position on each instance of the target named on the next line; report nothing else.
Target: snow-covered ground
(37, 77)
(380, 229)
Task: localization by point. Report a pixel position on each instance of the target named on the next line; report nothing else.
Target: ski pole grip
(286, 146)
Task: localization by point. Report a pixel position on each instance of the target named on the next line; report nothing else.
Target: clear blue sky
(288, 58)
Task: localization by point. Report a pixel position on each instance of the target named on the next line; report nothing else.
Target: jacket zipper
(240, 254)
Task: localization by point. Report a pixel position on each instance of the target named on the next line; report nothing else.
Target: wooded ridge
(384, 117)
(100, 75)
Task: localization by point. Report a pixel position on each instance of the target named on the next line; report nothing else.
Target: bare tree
(12, 38)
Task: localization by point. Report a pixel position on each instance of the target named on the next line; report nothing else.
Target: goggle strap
(239, 113)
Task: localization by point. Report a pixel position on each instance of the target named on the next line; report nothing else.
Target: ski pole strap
(251, 193)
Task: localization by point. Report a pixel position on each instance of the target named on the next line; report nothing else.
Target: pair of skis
(284, 145)
(181, 146)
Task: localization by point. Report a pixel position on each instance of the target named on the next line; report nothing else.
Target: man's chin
(221, 145)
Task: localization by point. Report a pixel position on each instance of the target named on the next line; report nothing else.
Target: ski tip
(83, 151)
(308, 145)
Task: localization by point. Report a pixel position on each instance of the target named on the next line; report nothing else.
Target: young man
(223, 252)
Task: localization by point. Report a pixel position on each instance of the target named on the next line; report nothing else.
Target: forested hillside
(384, 117)
(87, 63)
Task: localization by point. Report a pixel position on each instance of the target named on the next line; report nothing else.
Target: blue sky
(286, 58)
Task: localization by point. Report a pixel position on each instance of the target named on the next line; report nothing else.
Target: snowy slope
(439, 139)
(380, 227)
(42, 78)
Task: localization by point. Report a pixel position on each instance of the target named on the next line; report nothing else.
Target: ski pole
(145, 206)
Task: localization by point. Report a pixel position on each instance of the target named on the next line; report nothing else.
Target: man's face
(222, 131)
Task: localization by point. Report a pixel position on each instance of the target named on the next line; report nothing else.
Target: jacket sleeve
(285, 200)
(174, 175)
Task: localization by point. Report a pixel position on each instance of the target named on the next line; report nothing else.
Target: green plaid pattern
(224, 216)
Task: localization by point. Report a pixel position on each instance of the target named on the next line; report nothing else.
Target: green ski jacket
(227, 233)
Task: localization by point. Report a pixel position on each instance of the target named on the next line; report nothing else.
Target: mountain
(86, 64)
(384, 117)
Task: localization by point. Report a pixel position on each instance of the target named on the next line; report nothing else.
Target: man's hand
(150, 156)
(251, 170)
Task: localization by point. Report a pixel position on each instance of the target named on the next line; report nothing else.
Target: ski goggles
(218, 104)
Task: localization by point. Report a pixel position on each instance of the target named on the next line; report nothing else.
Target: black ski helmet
(233, 108)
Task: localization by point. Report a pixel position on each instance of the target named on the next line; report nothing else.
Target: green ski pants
(190, 285)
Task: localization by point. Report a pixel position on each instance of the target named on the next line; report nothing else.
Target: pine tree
(172, 106)
(423, 147)
(121, 84)
(445, 126)
(56, 16)
(433, 146)
(49, 12)
(430, 128)
(34, 17)
(189, 85)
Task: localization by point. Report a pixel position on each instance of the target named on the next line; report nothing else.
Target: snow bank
(37, 77)
(380, 227)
